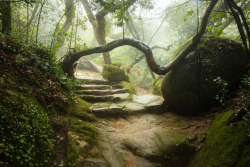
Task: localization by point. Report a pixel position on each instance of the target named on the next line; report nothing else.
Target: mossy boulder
(226, 145)
(115, 73)
(190, 87)
(157, 87)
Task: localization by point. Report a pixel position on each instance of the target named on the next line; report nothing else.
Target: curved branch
(71, 59)
(142, 56)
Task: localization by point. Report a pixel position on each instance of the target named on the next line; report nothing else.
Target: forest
(124, 83)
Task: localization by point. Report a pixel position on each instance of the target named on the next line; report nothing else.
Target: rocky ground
(134, 131)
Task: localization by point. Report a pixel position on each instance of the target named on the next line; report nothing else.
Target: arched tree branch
(69, 60)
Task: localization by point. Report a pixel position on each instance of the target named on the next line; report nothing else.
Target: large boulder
(190, 87)
(88, 65)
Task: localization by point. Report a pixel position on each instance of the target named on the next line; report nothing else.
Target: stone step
(105, 98)
(97, 87)
(91, 87)
(101, 92)
(127, 107)
(93, 81)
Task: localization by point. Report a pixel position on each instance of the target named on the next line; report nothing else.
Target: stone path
(132, 130)
(114, 100)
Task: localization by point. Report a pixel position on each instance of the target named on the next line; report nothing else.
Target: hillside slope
(34, 95)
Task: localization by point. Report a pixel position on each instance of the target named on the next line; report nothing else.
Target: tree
(5, 10)
(98, 20)
(69, 60)
(70, 15)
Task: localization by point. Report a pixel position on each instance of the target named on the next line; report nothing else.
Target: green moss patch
(128, 86)
(80, 110)
(226, 145)
(157, 87)
(81, 138)
(115, 73)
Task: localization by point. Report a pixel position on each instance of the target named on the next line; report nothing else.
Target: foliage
(32, 89)
(221, 97)
(26, 132)
(119, 8)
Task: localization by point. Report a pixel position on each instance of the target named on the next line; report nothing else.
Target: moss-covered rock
(80, 110)
(81, 138)
(190, 87)
(114, 73)
(128, 86)
(157, 87)
(226, 145)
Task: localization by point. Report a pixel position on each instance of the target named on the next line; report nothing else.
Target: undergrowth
(33, 88)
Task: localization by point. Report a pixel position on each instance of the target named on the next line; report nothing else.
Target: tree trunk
(70, 14)
(98, 23)
(6, 17)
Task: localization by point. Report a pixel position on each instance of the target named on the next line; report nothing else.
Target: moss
(85, 130)
(33, 93)
(226, 144)
(157, 87)
(181, 48)
(81, 138)
(80, 110)
(75, 154)
(25, 131)
(128, 86)
(174, 147)
(115, 73)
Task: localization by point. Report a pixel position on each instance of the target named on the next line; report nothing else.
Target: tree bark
(71, 59)
(98, 24)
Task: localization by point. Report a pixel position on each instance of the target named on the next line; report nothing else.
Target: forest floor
(144, 139)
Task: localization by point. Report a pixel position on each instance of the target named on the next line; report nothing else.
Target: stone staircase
(114, 100)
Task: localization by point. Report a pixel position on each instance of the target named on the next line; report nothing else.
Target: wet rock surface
(133, 132)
